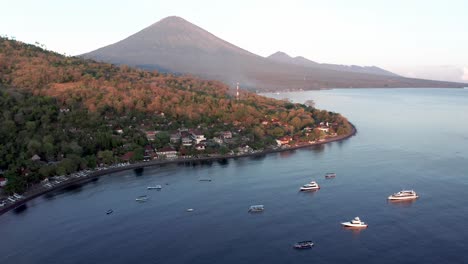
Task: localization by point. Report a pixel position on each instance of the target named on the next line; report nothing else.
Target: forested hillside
(61, 114)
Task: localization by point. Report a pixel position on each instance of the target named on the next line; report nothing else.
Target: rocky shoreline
(38, 191)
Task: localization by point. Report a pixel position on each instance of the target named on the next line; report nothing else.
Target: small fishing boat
(110, 211)
(142, 198)
(156, 187)
(190, 210)
(205, 179)
(303, 245)
(310, 186)
(356, 223)
(330, 175)
(403, 195)
(256, 208)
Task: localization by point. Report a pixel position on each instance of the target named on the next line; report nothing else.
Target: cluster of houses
(183, 140)
(188, 142)
(324, 128)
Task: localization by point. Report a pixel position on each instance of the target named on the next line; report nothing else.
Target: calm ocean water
(407, 138)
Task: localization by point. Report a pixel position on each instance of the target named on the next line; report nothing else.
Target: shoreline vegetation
(39, 189)
(66, 117)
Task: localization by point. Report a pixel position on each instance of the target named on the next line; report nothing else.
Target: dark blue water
(408, 138)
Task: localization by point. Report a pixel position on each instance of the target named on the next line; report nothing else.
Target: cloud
(464, 77)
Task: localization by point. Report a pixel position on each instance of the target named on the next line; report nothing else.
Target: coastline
(32, 194)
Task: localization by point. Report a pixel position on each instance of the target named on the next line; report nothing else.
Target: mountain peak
(171, 21)
(279, 55)
(285, 58)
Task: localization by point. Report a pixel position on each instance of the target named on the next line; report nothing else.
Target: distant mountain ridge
(176, 45)
(299, 60)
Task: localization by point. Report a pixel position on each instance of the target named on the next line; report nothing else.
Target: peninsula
(62, 115)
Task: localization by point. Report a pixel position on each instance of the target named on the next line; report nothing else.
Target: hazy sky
(420, 38)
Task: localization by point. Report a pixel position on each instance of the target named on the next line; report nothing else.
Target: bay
(407, 139)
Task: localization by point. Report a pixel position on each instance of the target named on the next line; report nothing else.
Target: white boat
(403, 195)
(190, 210)
(256, 208)
(356, 222)
(310, 186)
(2, 203)
(142, 198)
(157, 187)
(11, 199)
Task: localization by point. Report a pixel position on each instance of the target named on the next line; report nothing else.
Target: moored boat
(157, 187)
(256, 208)
(403, 195)
(310, 186)
(142, 198)
(356, 223)
(205, 179)
(303, 245)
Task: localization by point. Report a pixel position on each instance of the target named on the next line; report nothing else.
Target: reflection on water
(49, 195)
(401, 203)
(287, 154)
(20, 209)
(139, 171)
(258, 157)
(223, 162)
(74, 188)
(354, 230)
(317, 148)
(208, 163)
(308, 193)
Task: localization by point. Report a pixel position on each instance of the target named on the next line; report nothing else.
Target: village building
(149, 153)
(284, 140)
(197, 136)
(151, 135)
(323, 129)
(227, 134)
(218, 140)
(200, 147)
(175, 138)
(3, 181)
(275, 121)
(36, 158)
(127, 156)
(187, 141)
(167, 152)
(244, 149)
